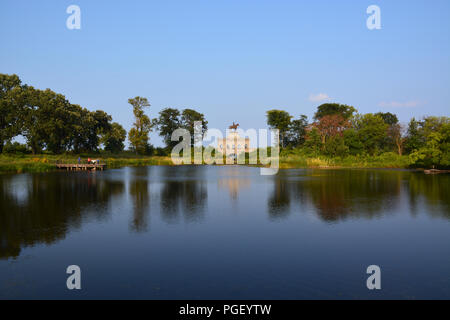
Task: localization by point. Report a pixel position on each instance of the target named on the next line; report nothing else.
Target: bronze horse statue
(234, 126)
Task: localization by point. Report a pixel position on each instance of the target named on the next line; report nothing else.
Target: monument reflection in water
(225, 232)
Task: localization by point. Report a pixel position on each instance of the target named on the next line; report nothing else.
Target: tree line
(338, 130)
(49, 122)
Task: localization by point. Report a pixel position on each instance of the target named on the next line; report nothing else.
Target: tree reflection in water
(342, 194)
(42, 208)
(184, 191)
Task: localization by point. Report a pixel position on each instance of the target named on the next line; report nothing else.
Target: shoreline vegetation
(52, 129)
(13, 163)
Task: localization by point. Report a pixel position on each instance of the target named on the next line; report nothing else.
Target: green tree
(335, 147)
(281, 120)
(329, 109)
(389, 118)
(353, 142)
(189, 117)
(436, 150)
(168, 122)
(313, 142)
(297, 131)
(10, 107)
(113, 139)
(48, 123)
(372, 131)
(138, 135)
(414, 137)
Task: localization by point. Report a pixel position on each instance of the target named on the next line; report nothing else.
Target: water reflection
(234, 186)
(48, 206)
(184, 192)
(337, 195)
(138, 188)
(44, 208)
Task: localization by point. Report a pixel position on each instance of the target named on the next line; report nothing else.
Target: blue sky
(233, 60)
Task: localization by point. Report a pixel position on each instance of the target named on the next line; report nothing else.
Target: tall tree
(395, 134)
(297, 131)
(168, 122)
(414, 138)
(113, 139)
(281, 120)
(138, 135)
(10, 107)
(189, 117)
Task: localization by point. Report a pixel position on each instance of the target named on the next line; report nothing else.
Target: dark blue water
(225, 233)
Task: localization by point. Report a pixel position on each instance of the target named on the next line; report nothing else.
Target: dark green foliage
(188, 119)
(171, 119)
(281, 120)
(113, 139)
(11, 104)
(435, 149)
(16, 148)
(329, 109)
(138, 135)
(389, 118)
(297, 131)
(168, 122)
(47, 120)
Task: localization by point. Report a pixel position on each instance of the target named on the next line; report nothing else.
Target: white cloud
(318, 97)
(397, 104)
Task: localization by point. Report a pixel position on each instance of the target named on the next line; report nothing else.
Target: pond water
(225, 233)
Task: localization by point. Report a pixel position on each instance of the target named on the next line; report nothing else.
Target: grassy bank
(385, 160)
(46, 163)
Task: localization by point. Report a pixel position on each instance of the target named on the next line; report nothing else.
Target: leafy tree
(329, 109)
(336, 147)
(313, 142)
(353, 142)
(189, 117)
(395, 136)
(389, 118)
(114, 138)
(138, 135)
(330, 126)
(297, 131)
(394, 139)
(89, 126)
(372, 131)
(10, 90)
(48, 121)
(436, 150)
(281, 120)
(414, 138)
(168, 122)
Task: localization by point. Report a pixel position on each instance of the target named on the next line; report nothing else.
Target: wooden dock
(80, 166)
(435, 171)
